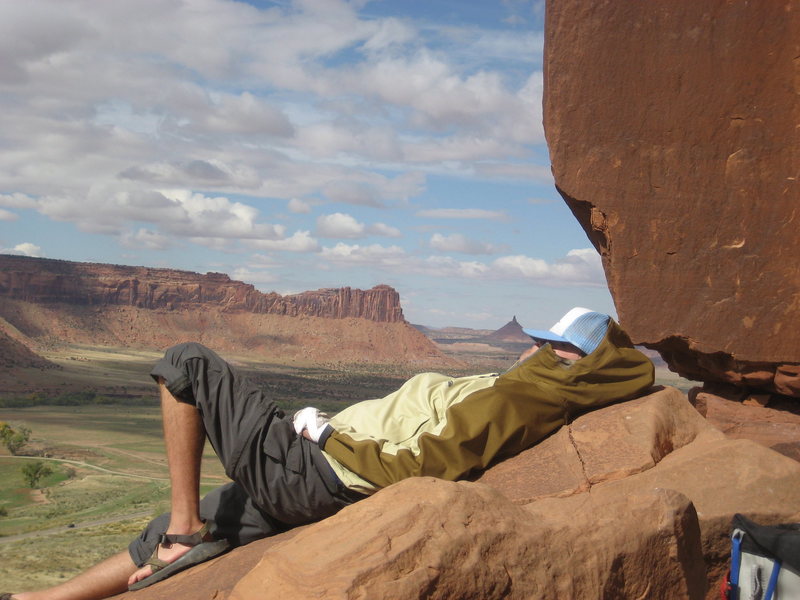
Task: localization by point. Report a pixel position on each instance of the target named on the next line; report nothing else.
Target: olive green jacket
(447, 428)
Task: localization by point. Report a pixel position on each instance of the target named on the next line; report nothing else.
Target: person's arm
(498, 420)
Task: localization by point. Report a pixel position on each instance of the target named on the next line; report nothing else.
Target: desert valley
(77, 342)
(76, 345)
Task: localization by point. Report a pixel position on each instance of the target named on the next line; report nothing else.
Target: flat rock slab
(776, 428)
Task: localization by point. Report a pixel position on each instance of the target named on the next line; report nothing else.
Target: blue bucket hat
(580, 327)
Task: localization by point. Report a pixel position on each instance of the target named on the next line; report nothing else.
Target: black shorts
(280, 479)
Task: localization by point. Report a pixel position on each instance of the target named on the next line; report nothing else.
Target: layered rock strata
(672, 129)
(45, 304)
(87, 284)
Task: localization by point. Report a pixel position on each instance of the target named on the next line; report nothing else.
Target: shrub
(14, 439)
(34, 471)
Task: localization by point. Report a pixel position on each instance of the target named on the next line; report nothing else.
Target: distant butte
(510, 332)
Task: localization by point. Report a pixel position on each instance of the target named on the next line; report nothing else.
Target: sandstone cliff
(49, 281)
(46, 302)
(672, 130)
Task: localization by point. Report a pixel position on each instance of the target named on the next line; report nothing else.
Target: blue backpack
(765, 561)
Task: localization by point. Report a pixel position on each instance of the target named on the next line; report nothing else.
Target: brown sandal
(202, 550)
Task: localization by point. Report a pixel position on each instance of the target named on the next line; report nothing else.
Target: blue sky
(295, 145)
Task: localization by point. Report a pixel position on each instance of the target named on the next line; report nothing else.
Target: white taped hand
(311, 420)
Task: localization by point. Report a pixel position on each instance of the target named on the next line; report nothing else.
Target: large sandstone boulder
(659, 441)
(630, 501)
(464, 540)
(672, 129)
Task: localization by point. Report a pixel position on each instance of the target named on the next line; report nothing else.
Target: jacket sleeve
(497, 421)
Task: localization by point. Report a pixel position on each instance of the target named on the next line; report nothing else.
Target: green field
(109, 477)
(46, 560)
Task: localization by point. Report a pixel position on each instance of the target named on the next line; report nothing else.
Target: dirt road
(65, 528)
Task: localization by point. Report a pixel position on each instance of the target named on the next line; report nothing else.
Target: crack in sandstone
(580, 458)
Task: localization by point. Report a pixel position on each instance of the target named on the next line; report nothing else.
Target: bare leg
(105, 579)
(184, 437)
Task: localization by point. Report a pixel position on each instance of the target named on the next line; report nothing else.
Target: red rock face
(672, 129)
(55, 281)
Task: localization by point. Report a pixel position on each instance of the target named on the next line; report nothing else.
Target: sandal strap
(167, 539)
(154, 562)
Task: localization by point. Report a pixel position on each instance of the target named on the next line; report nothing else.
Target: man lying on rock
(287, 471)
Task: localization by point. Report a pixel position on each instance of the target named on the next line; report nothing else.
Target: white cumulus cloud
(218, 216)
(308, 99)
(522, 266)
(18, 201)
(353, 192)
(246, 114)
(374, 254)
(384, 230)
(446, 266)
(339, 225)
(24, 249)
(299, 241)
(581, 266)
(145, 238)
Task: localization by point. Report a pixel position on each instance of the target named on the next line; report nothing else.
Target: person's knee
(186, 350)
(180, 366)
(194, 370)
